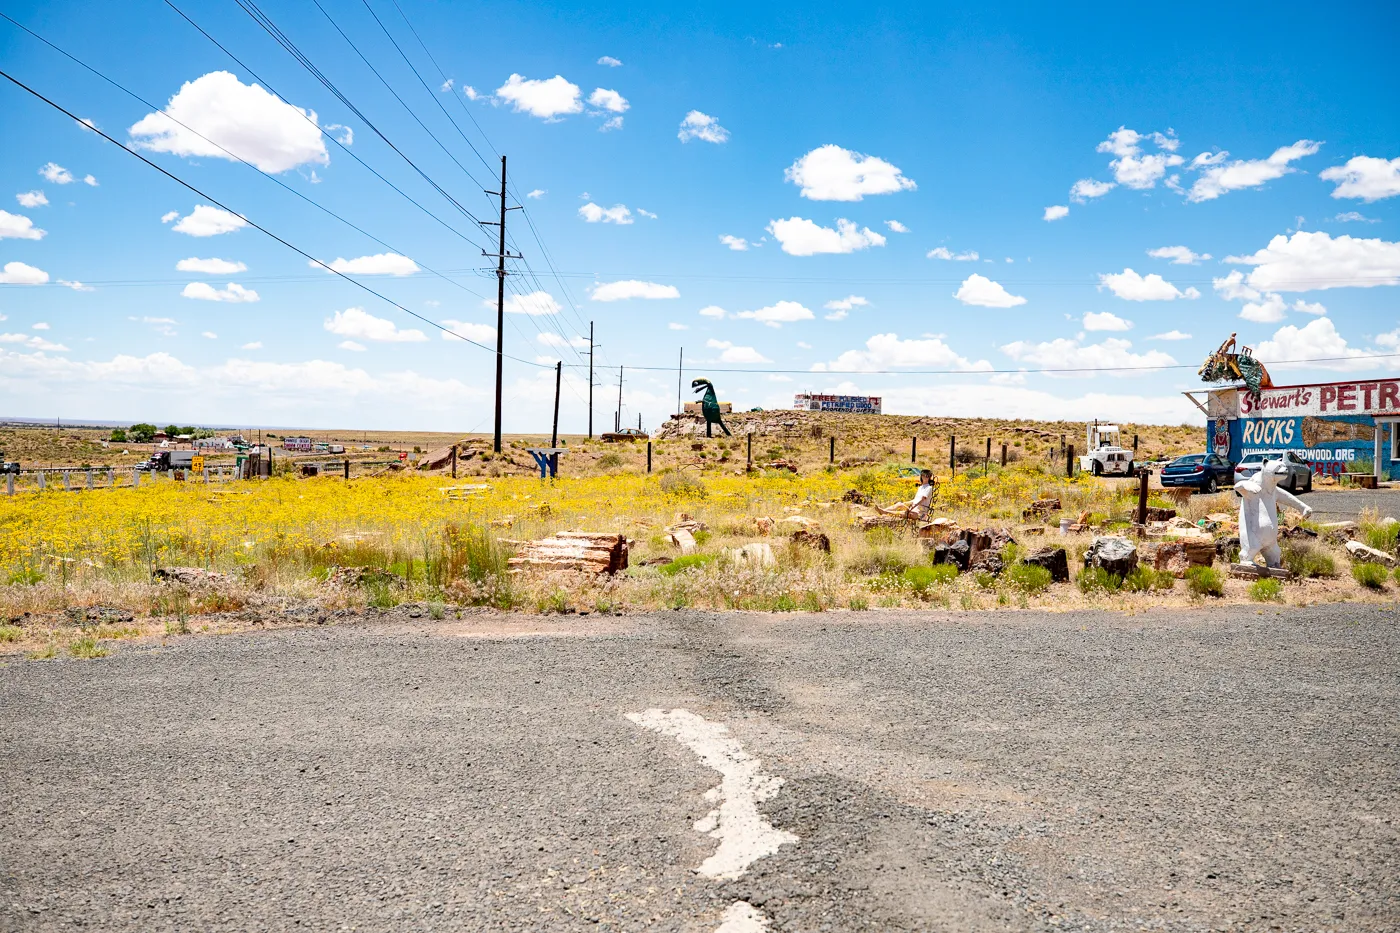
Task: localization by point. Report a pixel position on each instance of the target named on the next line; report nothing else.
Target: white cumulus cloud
(617, 214)
(233, 292)
(609, 100)
(982, 291)
(888, 351)
(846, 304)
(1066, 354)
(942, 252)
(481, 333)
(830, 173)
(1219, 178)
(352, 346)
(378, 264)
(1365, 177)
(359, 323)
(1317, 341)
(1105, 320)
(19, 273)
(732, 354)
(1309, 307)
(1056, 212)
(632, 288)
(801, 237)
(1179, 255)
(547, 99)
(532, 304)
(220, 113)
(33, 343)
(210, 266)
(896, 227)
(207, 221)
(1130, 286)
(537, 194)
(610, 62)
(56, 173)
(1131, 167)
(32, 199)
(1232, 287)
(703, 127)
(712, 311)
(1085, 189)
(1171, 335)
(736, 243)
(776, 315)
(1309, 261)
(1268, 310)
(18, 227)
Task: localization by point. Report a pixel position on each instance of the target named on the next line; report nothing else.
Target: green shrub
(687, 562)
(1380, 535)
(1371, 576)
(683, 486)
(1144, 578)
(1205, 581)
(1028, 578)
(610, 461)
(26, 576)
(86, 647)
(701, 537)
(1303, 560)
(784, 603)
(1096, 579)
(985, 579)
(920, 579)
(880, 560)
(10, 633)
(858, 604)
(1266, 590)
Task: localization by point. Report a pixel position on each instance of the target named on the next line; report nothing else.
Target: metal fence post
(41, 480)
(9, 484)
(89, 479)
(67, 486)
(111, 478)
(135, 479)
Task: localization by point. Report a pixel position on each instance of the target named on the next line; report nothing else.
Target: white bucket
(1064, 526)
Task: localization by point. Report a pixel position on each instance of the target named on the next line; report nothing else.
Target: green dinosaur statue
(709, 405)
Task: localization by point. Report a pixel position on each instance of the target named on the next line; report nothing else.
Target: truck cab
(1104, 455)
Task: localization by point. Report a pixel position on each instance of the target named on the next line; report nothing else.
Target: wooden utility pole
(680, 381)
(554, 436)
(500, 256)
(913, 450)
(590, 380)
(617, 421)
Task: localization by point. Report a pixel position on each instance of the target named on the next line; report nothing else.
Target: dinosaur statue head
(700, 385)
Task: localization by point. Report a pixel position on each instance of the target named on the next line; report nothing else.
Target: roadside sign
(403, 456)
(197, 464)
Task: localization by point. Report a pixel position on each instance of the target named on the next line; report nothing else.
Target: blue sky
(799, 189)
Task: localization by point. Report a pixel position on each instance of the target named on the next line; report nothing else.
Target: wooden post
(952, 452)
(111, 478)
(89, 479)
(1069, 461)
(454, 464)
(648, 456)
(9, 484)
(1135, 443)
(135, 479)
(1062, 445)
(831, 457)
(1003, 455)
(67, 486)
(748, 468)
(913, 450)
(987, 459)
(1143, 476)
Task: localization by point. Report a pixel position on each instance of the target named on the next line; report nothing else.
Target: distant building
(858, 404)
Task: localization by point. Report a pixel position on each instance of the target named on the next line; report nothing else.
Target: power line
(234, 156)
(256, 226)
(200, 29)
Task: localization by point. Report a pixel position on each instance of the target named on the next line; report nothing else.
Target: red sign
(403, 456)
(1359, 398)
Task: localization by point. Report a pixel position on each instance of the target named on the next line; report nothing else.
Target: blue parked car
(1207, 472)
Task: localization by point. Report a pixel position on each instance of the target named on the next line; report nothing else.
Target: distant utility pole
(617, 422)
(590, 380)
(680, 381)
(558, 378)
(501, 273)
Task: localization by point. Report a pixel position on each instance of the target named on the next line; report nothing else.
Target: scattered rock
(1157, 514)
(96, 615)
(756, 554)
(781, 465)
(363, 576)
(812, 539)
(1042, 507)
(988, 562)
(189, 576)
(1113, 553)
(1340, 532)
(656, 561)
(958, 553)
(1362, 553)
(1227, 545)
(855, 495)
(802, 522)
(684, 540)
(1053, 559)
(586, 551)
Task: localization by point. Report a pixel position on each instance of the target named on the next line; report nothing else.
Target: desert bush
(86, 647)
(10, 633)
(966, 455)
(610, 461)
(1304, 560)
(1096, 579)
(858, 604)
(920, 579)
(1370, 575)
(683, 486)
(1027, 578)
(879, 560)
(1143, 579)
(1205, 581)
(687, 562)
(1266, 590)
(1378, 533)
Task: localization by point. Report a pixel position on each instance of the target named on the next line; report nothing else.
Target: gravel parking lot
(1174, 771)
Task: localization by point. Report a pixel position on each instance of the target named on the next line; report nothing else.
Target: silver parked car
(1300, 474)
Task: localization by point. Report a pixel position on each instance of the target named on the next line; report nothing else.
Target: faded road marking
(744, 834)
(743, 917)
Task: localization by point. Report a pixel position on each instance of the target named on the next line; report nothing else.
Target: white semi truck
(1104, 456)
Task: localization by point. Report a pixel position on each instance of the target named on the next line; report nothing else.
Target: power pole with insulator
(501, 273)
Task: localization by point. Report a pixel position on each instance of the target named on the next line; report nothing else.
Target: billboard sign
(1378, 397)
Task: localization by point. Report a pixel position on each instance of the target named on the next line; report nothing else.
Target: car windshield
(1260, 458)
(1189, 461)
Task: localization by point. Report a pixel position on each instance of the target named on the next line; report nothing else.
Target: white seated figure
(1260, 497)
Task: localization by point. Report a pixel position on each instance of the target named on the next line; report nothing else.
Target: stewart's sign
(1380, 397)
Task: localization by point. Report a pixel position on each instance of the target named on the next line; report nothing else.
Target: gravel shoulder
(1174, 771)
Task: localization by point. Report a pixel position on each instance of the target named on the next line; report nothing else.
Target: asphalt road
(1016, 771)
(1337, 505)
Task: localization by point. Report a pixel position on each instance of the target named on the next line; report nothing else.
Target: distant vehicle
(10, 466)
(1103, 456)
(1207, 472)
(626, 434)
(169, 460)
(1300, 474)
